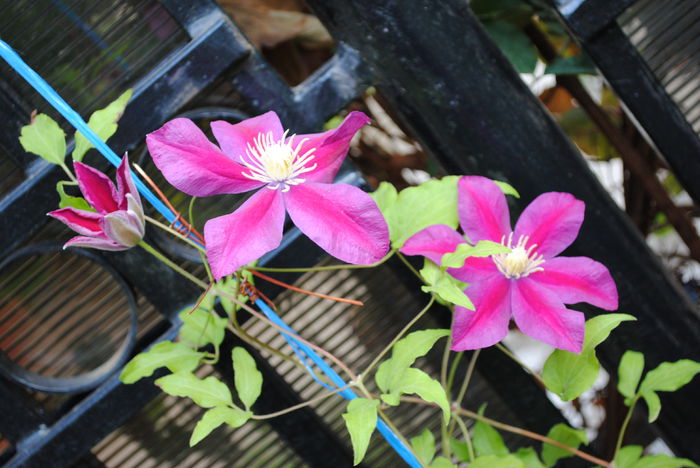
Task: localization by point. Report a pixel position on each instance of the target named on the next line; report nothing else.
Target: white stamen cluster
(520, 262)
(277, 163)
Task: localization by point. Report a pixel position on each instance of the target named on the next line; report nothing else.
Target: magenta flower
(295, 174)
(531, 283)
(117, 223)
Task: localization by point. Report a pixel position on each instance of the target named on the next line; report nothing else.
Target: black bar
(594, 15)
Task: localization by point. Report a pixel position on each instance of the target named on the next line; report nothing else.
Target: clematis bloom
(531, 283)
(117, 222)
(294, 175)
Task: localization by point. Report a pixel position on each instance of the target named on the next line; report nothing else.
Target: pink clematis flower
(531, 283)
(118, 223)
(294, 175)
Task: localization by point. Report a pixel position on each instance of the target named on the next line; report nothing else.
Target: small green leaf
(177, 357)
(442, 462)
(507, 189)
(71, 201)
(487, 441)
(664, 461)
(627, 456)
(103, 122)
(360, 419)
(418, 382)
(460, 449)
(529, 457)
(424, 446)
(484, 248)
(404, 354)
(629, 372)
(566, 435)
(247, 378)
(44, 138)
(206, 393)
(514, 44)
(201, 327)
(494, 461)
(214, 418)
(444, 285)
(568, 374)
(667, 377)
(576, 65)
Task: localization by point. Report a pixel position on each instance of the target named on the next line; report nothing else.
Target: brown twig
(304, 291)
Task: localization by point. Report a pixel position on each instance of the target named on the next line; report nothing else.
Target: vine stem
(534, 374)
(623, 429)
(322, 268)
(69, 172)
(175, 233)
(410, 267)
(516, 430)
(173, 265)
(302, 405)
(465, 385)
(398, 337)
(467, 437)
(304, 291)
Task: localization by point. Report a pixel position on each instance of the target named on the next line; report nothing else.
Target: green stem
(534, 374)
(173, 232)
(301, 405)
(465, 383)
(323, 268)
(68, 171)
(465, 433)
(398, 337)
(446, 449)
(173, 265)
(410, 267)
(623, 429)
(453, 369)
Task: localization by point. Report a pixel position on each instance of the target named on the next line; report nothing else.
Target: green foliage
(442, 462)
(460, 450)
(575, 65)
(424, 446)
(415, 208)
(444, 285)
(667, 377)
(360, 419)
(631, 457)
(247, 378)
(207, 393)
(627, 456)
(507, 189)
(70, 201)
(529, 457)
(486, 440)
(201, 326)
(103, 122)
(44, 138)
(484, 248)
(514, 44)
(495, 461)
(229, 286)
(569, 374)
(177, 357)
(566, 435)
(629, 373)
(214, 418)
(418, 382)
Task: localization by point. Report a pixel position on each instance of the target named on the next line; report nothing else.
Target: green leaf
(442, 462)
(177, 357)
(627, 456)
(484, 248)
(514, 44)
(229, 286)
(568, 374)
(494, 461)
(444, 285)
(247, 378)
(507, 189)
(418, 382)
(404, 354)
(664, 461)
(206, 393)
(667, 377)
(576, 65)
(487, 441)
(214, 418)
(629, 372)
(529, 457)
(460, 449)
(566, 435)
(103, 122)
(71, 201)
(424, 446)
(360, 419)
(44, 138)
(201, 327)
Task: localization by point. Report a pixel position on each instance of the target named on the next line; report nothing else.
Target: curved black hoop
(89, 380)
(165, 241)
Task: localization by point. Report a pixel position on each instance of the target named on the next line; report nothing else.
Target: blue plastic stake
(300, 348)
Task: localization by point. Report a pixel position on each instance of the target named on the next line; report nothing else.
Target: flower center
(520, 262)
(277, 163)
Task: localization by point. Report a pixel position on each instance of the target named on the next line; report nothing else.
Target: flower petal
(487, 324)
(123, 227)
(94, 243)
(81, 221)
(193, 164)
(538, 312)
(234, 138)
(579, 279)
(475, 269)
(331, 147)
(245, 235)
(482, 208)
(97, 189)
(551, 221)
(342, 219)
(433, 242)
(125, 185)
